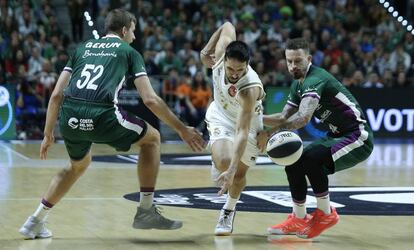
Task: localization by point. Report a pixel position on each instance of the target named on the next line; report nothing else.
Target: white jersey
(226, 95)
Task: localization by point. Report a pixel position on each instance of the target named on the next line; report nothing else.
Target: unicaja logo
(73, 123)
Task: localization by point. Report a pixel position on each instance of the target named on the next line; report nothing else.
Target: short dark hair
(117, 19)
(298, 43)
(238, 50)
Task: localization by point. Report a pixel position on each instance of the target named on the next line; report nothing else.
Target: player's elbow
(228, 26)
(56, 96)
(150, 101)
(229, 30)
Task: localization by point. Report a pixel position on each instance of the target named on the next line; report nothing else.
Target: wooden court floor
(94, 214)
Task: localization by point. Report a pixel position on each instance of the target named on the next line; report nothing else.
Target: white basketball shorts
(221, 127)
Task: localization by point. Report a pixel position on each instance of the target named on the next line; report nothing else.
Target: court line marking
(16, 153)
(72, 199)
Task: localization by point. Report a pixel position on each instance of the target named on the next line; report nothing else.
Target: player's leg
(148, 216)
(221, 151)
(316, 159)
(327, 157)
(228, 212)
(298, 189)
(34, 227)
(221, 155)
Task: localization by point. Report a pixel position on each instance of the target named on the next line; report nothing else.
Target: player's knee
(222, 163)
(316, 158)
(295, 168)
(77, 169)
(151, 138)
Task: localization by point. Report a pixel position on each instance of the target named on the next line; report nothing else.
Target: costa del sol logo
(277, 199)
(73, 123)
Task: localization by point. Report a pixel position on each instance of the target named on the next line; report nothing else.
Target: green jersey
(99, 69)
(337, 107)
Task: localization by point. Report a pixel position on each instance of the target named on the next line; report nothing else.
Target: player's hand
(209, 59)
(48, 140)
(225, 180)
(262, 138)
(193, 138)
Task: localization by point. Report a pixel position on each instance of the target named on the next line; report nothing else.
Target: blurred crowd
(356, 40)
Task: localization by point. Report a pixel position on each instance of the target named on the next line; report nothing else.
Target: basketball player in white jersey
(233, 118)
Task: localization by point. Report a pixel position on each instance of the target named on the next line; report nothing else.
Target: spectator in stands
(170, 61)
(373, 81)
(28, 113)
(35, 63)
(150, 66)
(76, 10)
(399, 59)
(388, 79)
(401, 80)
(47, 81)
(200, 98)
(29, 43)
(169, 88)
(356, 80)
(183, 92)
(62, 59)
(187, 52)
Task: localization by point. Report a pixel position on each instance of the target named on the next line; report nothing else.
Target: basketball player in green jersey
(86, 97)
(315, 92)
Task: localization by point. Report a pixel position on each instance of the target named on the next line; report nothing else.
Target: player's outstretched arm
(52, 112)
(275, 122)
(299, 119)
(216, 46)
(189, 134)
(277, 119)
(247, 99)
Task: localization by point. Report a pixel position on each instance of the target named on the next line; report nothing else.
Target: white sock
(41, 212)
(230, 202)
(324, 204)
(146, 199)
(299, 209)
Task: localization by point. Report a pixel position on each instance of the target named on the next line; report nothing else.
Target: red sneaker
(291, 225)
(319, 223)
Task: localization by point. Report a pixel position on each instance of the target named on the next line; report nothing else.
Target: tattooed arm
(298, 120)
(288, 119)
(279, 118)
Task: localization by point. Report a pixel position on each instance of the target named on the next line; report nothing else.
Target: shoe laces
(319, 216)
(291, 223)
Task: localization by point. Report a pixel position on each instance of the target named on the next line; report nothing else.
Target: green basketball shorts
(83, 123)
(349, 149)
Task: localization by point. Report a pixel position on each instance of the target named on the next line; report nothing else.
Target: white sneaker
(225, 224)
(35, 228)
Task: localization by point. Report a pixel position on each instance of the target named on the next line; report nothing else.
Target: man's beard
(297, 75)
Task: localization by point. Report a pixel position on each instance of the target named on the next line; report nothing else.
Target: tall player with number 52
(86, 95)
